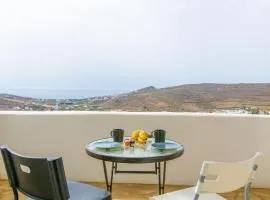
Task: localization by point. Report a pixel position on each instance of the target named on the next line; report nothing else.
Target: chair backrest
(219, 177)
(37, 178)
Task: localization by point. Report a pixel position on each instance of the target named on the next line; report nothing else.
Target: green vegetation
(252, 110)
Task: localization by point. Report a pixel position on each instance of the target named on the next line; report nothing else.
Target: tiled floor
(140, 192)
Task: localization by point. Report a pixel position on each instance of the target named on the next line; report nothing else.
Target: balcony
(220, 137)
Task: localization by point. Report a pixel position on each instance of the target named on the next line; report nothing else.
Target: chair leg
(15, 194)
(246, 192)
(196, 197)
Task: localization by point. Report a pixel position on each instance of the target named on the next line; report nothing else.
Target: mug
(159, 135)
(117, 135)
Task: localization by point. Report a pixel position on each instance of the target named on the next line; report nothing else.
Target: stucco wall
(205, 137)
(3, 119)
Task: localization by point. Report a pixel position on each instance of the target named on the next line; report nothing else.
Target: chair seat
(80, 191)
(187, 194)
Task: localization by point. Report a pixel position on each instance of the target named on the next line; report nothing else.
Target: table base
(157, 171)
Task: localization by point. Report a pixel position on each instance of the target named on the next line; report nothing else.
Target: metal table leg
(161, 178)
(109, 185)
(161, 184)
(164, 176)
(106, 175)
(112, 172)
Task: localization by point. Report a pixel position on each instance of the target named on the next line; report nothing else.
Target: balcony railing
(220, 137)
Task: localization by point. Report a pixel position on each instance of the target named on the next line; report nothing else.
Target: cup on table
(159, 135)
(117, 135)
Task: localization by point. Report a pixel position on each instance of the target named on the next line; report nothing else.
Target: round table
(138, 155)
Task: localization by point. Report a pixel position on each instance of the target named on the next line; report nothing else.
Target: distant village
(31, 104)
(91, 104)
(199, 98)
(246, 110)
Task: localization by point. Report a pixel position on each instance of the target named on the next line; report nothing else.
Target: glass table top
(134, 154)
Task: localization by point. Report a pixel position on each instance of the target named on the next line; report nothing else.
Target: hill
(205, 97)
(9, 102)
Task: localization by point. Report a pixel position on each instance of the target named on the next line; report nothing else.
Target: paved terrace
(133, 191)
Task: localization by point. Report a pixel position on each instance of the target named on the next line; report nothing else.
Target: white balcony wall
(205, 137)
(3, 124)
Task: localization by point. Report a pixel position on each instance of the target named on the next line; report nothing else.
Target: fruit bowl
(140, 136)
(142, 146)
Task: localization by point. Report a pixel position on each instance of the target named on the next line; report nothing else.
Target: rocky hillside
(253, 98)
(194, 98)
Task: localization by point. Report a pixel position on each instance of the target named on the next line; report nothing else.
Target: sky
(82, 48)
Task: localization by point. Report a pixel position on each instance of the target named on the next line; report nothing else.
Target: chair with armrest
(217, 177)
(44, 179)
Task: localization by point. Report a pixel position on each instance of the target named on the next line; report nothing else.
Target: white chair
(217, 177)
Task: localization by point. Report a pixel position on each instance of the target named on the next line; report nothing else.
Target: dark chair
(44, 179)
